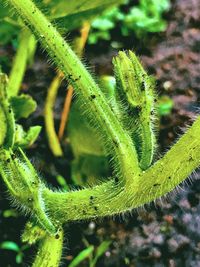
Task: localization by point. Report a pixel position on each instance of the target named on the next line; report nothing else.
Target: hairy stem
(136, 89)
(50, 251)
(52, 137)
(79, 45)
(7, 122)
(111, 198)
(117, 140)
(24, 185)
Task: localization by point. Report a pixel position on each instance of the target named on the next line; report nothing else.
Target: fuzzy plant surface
(67, 18)
(125, 125)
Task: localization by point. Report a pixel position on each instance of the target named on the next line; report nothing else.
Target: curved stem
(65, 112)
(111, 198)
(116, 139)
(49, 118)
(25, 186)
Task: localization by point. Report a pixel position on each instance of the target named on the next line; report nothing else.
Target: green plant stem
(136, 89)
(49, 118)
(26, 46)
(79, 44)
(52, 92)
(7, 121)
(25, 186)
(117, 140)
(50, 251)
(110, 198)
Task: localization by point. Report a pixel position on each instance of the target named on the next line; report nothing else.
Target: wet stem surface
(165, 234)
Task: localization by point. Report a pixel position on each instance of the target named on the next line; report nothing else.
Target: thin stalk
(26, 47)
(52, 137)
(65, 112)
(79, 45)
(116, 139)
(52, 92)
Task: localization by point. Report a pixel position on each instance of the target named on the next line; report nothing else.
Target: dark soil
(163, 234)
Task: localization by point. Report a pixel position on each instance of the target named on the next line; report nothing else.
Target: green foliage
(101, 249)
(32, 233)
(100, 27)
(7, 32)
(165, 105)
(72, 15)
(62, 182)
(90, 161)
(10, 245)
(146, 17)
(24, 138)
(9, 27)
(59, 8)
(12, 109)
(23, 105)
(10, 213)
(68, 16)
(90, 253)
(135, 181)
(84, 254)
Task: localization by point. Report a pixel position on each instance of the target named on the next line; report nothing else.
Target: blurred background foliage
(140, 17)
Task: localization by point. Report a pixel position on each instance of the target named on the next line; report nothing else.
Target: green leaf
(7, 32)
(95, 36)
(10, 245)
(25, 139)
(23, 106)
(103, 24)
(10, 213)
(59, 8)
(147, 17)
(84, 254)
(165, 105)
(19, 258)
(4, 10)
(68, 15)
(62, 182)
(108, 19)
(85, 13)
(100, 251)
(32, 234)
